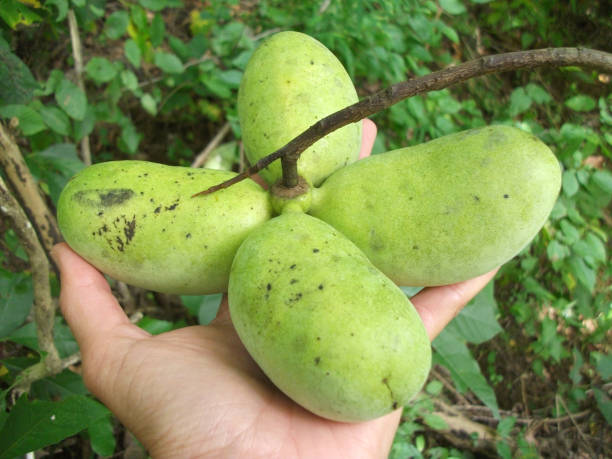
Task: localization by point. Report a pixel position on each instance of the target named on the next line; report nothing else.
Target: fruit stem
(290, 171)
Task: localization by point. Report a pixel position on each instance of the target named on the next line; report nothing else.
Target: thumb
(87, 303)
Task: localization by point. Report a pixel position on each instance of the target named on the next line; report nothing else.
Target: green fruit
(137, 222)
(327, 327)
(446, 210)
(291, 82)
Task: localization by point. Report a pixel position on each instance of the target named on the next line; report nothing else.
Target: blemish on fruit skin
(293, 281)
(317, 360)
(157, 209)
(315, 250)
(188, 236)
(320, 286)
(476, 198)
(292, 266)
(269, 287)
(506, 196)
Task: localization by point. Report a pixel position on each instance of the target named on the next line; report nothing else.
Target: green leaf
(581, 103)
(14, 12)
(168, 62)
(603, 179)
(149, 104)
(16, 297)
(604, 404)
(17, 84)
(132, 52)
(604, 366)
(519, 102)
(570, 183)
(155, 326)
(454, 354)
(158, 30)
(30, 121)
(434, 421)
(62, 8)
(557, 251)
(130, 137)
(101, 435)
(60, 386)
(597, 248)
(477, 323)
(231, 77)
(453, 6)
(55, 166)
(116, 24)
(56, 119)
(32, 425)
(158, 5)
(537, 93)
(100, 69)
(71, 99)
(585, 275)
(64, 341)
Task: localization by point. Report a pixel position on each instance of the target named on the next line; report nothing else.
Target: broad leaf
(477, 323)
(452, 352)
(32, 425)
(71, 99)
(16, 81)
(64, 341)
(102, 436)
(16, 298)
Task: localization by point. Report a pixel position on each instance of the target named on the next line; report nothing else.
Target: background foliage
(528, 359)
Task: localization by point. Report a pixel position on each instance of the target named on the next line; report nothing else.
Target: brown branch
(77, 53)
(25, 187)
(550, 57)
(44, 309)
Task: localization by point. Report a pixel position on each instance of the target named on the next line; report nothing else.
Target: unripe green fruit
(137, 222)
(327, 327)
(291, 82)
(446, 210)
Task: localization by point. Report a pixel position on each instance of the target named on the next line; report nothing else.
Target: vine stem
(549, 57)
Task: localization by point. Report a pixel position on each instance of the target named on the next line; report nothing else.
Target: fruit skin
(329, 329)
(446, 210)
(291, 82)
(137, 222)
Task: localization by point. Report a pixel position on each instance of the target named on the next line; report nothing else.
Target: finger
(368, 135)
(87, 303)
(438, 305)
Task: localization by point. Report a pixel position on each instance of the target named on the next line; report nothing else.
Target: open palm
(196, 392)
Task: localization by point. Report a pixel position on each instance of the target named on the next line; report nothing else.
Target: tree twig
(44, 310)
(22, 182)
(551, 57)
(77, 53)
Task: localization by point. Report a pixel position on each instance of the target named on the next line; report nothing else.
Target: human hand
(196, 391)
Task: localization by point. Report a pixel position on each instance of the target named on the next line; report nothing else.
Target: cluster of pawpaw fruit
(312, 282)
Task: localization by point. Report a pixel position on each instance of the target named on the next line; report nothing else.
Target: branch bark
(19, 176)
(550, 57)
(44, 310)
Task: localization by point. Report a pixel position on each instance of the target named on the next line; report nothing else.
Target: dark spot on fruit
(151, 200)
(119, 244)
(173, 206)
(292, 266)
(103, 198)
(157, 209)
(317, 360)
(269, 287)
(327, 373)
(293, 281)
(476, 198)
(311, 62)
(100, 213)
(352, 334)
(318, 338)
(128, 230)
(394, 406)
(415, 247)
(315, 250)
(188, 236)
(506, 196)
(320, 286)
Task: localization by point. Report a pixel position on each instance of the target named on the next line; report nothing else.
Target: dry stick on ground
(25, 187)
(77, 53)
(216, 140)
(550, 57)
(44, 309)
